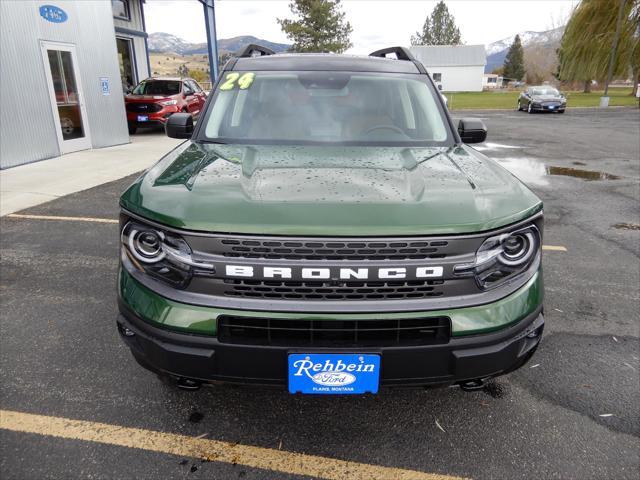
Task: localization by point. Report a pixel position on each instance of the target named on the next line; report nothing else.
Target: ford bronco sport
(325, 228)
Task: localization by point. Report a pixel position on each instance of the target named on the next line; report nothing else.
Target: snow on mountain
(165, 42)
(497, 51)
(528, 37)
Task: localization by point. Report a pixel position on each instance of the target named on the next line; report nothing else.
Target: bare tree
(540, 63)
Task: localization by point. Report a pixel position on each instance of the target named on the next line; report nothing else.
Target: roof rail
(252, 47)
(402, 53)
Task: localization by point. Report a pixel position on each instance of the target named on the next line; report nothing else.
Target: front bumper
(154, 119)
(548, 108)
(463, 358)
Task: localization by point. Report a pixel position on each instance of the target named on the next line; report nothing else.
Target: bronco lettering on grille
(248, 271)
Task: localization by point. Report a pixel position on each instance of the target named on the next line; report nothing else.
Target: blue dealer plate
(333, 373)
(143, 118)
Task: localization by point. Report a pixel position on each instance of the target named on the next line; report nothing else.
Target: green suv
(326, 229)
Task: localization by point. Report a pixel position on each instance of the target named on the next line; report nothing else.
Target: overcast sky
(376, 23)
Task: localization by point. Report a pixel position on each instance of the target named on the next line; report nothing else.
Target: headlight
(503, 257)
(168, 103)
(162, 255)
(145, 244)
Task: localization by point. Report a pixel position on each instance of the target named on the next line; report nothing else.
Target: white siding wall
(459, 79)
(139, 46)
(27, 131)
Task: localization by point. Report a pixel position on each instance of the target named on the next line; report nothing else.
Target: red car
(156, 99)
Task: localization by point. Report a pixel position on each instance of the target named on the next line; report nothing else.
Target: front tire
(518, 107)
(529, 109)
(560, 111)
(132, 129)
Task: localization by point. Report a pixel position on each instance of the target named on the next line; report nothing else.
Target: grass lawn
(507, 100)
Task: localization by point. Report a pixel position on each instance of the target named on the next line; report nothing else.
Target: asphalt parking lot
(572, 412)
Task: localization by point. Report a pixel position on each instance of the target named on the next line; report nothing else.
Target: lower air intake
(333, 333)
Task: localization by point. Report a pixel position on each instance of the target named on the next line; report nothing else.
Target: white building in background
(65, 66)
(491, 81)
(458, 68)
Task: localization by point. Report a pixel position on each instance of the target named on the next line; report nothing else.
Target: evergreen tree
(514, 61)
(320, 26)
(439, 28)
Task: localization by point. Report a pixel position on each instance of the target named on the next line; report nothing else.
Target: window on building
(120, 9)
(437, 77)
(66, 94)
(125, 59)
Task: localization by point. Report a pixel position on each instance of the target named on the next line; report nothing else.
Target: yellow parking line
(554, 248)
(67, 219)
(212, 450)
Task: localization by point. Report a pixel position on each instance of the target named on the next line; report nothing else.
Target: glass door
(66, 96)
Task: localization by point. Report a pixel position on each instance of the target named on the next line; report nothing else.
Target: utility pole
(212, 40)
(604, 101)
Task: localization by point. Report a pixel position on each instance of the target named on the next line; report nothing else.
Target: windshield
(546, 91)
(158, 87)
(325, 107)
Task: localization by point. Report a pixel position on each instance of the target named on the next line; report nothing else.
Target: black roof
(324, 61)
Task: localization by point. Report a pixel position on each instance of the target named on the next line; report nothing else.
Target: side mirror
(179, 125)
(472, 130)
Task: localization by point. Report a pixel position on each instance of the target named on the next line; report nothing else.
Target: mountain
(160, 42)
(234, 44)
(497, 51)
(165, 42)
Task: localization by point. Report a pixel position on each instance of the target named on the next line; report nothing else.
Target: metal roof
(449, 55)
(325, 61)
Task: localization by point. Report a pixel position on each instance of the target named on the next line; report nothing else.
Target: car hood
(312, 190)
(547, 98)
(148, 98)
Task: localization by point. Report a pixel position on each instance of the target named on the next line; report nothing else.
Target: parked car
(542, 98)
(155, 99)
(326, 229)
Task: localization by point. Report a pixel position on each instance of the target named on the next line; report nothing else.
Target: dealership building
(65, 67)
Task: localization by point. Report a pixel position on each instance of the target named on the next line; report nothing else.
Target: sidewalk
(28, 185)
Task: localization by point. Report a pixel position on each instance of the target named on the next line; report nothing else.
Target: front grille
(316, 290)
(143, 107)
(334, 253)
(333, 333)
(332, 250)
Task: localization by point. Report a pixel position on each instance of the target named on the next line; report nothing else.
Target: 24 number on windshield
(235, 79)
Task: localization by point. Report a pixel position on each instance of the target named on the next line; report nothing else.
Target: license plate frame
(333, 373)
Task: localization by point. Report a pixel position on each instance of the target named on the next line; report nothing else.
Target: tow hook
(188, 384)
(472, 385)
